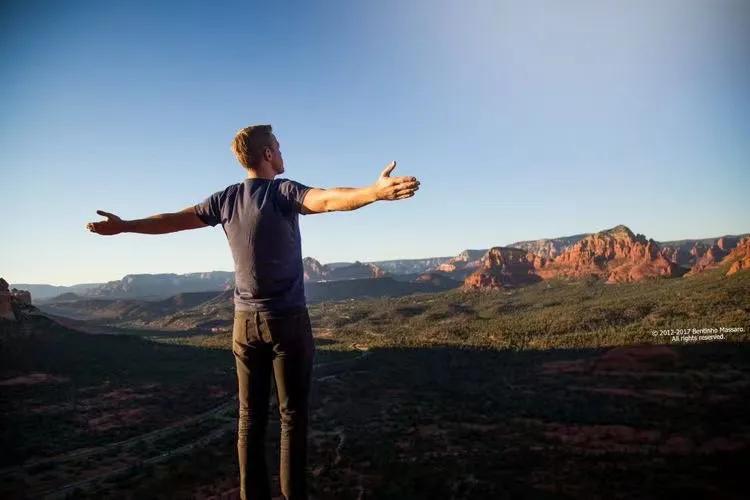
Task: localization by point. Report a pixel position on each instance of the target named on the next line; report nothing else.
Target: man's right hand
(394, 188)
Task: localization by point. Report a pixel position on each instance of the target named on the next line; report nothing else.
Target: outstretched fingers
(402, 196)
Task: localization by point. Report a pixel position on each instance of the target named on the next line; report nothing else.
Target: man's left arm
(316, 200)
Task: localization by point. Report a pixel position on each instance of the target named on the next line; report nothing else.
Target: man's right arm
(156, 224)
(344, 198)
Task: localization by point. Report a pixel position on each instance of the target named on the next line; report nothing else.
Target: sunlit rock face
(614, 255)
(739, 258)
(504, 267)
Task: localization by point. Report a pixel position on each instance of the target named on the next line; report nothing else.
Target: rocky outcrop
(504, 267)
(13, 302)
(21, 296)
(6, 307)
(706, 258)
(739, 258)
(615, 255)
(314, 270)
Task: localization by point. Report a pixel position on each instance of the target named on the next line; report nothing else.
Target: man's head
(257, 149)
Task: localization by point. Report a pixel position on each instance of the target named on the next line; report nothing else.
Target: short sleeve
(209, 210)
(291, 194)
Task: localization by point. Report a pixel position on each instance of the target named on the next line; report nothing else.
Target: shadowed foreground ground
(454, 423)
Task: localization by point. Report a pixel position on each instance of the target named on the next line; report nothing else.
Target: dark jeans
(263, 342)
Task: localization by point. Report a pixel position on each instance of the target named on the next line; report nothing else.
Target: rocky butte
(11, 300)
(502, 267)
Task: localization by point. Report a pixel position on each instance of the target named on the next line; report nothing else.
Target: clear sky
(522, 120)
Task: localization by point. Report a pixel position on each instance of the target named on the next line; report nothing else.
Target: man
(272, 329)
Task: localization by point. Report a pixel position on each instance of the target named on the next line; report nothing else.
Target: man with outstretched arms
(271, 332)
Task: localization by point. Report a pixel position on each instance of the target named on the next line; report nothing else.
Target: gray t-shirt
(260, 219)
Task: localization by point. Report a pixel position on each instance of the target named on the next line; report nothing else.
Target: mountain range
(615, 255)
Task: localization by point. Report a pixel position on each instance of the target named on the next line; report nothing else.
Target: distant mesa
(315, 271)
(357, 270)
(161, 286)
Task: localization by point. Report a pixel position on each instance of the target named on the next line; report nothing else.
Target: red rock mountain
(615, 255)
(504, 267)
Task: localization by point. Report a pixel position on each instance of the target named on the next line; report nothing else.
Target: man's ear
(267, 153)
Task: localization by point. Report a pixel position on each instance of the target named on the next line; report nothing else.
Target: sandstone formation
(699, 255)
(615, 255)
(504, 267)
(739, 258)
(706, 258)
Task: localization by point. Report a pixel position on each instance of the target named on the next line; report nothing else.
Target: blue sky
(522, 120)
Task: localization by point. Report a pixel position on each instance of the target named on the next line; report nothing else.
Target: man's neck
(263, 172)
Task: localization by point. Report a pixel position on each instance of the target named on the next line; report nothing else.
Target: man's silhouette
(271, 331)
